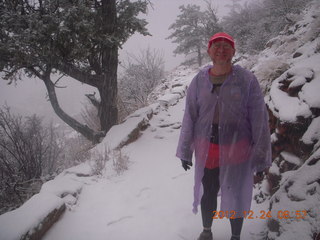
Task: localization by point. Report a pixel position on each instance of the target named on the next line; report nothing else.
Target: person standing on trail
(225, 124)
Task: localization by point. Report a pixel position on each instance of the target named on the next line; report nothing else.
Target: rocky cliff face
(289, 72)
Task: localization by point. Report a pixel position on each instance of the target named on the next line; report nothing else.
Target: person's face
(221, 52)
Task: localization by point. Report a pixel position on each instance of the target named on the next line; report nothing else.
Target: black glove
(260, 174)
(186, 165)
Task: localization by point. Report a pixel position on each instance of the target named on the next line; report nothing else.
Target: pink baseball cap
(220, 37)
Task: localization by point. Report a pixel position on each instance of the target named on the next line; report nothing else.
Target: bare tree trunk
(199, 56)
(108, 113)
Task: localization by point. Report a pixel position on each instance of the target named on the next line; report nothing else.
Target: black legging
(211, 186)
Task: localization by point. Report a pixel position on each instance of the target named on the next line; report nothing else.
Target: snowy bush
(120, 161)
(75, 150)
(31, 154)
(141, 75)
(102, 155)
(28, 151)
(254, 24)
(98, 161)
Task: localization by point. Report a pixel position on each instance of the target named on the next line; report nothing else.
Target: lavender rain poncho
(244, 135)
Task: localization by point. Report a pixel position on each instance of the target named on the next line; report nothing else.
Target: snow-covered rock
(127, 131)
(62, 186)
(289, 72)
(295, 206)
(35, 217)
(169, 100)
(174, 86)
(312, 135)
(32, 219)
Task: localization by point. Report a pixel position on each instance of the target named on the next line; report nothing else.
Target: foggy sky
(163, 14)
(29, 96)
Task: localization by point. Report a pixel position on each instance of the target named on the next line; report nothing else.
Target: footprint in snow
(118, 220)
(178, 176)
(158, 137)
(142, 191)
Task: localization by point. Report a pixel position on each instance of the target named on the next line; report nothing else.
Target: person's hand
(186, 165)
(258, 177)
(260, 174)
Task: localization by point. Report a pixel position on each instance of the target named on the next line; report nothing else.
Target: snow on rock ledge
(62, 186)
(32, 219)
(174, 86)
(128, 131)
(40, 212)
(169, 100)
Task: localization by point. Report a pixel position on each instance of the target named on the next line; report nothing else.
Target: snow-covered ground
(152, 200)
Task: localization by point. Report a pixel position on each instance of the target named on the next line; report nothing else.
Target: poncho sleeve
(185, 147)
(258, 117)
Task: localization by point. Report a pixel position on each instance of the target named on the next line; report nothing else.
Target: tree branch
(83, 129)
(81, 76)
(56, 82)
(95, 102)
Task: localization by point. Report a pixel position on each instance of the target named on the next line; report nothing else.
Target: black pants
(211, 186)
